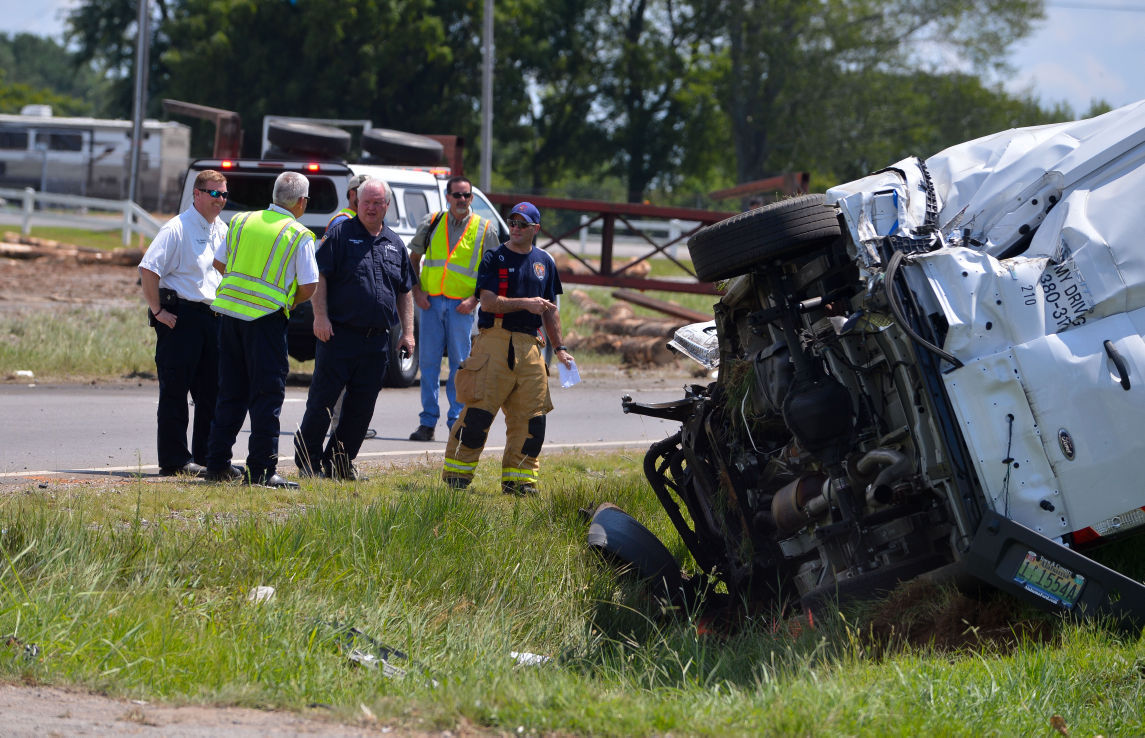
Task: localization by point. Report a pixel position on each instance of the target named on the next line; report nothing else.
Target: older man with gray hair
(268, 267)
(364, 287)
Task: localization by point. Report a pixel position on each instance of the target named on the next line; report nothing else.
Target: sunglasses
(515, 223)
(461, 195)
(215, 193)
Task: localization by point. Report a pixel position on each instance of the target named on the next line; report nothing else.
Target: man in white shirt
(179, 283)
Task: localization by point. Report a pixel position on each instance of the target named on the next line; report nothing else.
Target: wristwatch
(562, 347)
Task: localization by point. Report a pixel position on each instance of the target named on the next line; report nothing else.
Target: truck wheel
(733, 246)
(401, 371)
(399, 147)
(621, 538)
(311, 138)
(300, 340)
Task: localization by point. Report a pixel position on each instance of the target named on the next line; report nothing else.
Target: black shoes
(457, 482)
(520, 489)
(276, 481)
(239, 474)
(190, 469)
(349, 473)
(423, 433)
(230, 473)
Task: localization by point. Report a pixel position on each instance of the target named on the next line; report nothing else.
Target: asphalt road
(110, 430)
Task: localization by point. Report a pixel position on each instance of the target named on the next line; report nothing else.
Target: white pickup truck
(415, 192)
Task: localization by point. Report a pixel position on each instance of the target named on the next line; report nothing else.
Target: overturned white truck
(939, 366)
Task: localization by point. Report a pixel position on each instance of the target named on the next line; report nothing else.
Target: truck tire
(401, 371)
(295, 136)
(619, 537)
(733, 246)
(399, 147)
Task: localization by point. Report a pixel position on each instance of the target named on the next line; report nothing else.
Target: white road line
(642, 443)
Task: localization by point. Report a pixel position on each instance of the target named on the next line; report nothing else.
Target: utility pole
(487, 99)
(139, 99)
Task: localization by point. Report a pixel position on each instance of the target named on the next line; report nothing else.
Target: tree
(104, 34)
(790, 61)
(39, 70)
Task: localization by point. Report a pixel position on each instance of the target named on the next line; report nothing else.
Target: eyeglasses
(215, 193)
(461, 195)
(515, 223)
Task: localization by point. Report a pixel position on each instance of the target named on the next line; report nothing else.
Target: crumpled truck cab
(933, 369)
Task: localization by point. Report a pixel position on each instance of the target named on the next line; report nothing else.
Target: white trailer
(92, 157)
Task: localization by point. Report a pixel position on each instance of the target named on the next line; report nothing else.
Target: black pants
(187, 362)
(252, 378)
(354, 362)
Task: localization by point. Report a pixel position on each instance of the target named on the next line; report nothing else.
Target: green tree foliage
(408, 64)
(548, 122)
(671, 97)
(15, 96)
(104, 34)
(791, 63)
(34, 69)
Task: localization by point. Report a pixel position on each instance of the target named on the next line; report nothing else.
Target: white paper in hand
(569, 374)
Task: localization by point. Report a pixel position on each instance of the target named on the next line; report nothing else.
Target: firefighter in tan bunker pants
(518, 287)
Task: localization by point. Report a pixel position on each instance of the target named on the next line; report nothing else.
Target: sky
(1085, 50)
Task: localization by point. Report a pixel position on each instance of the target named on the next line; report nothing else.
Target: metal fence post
(29, 204)
(126, 205)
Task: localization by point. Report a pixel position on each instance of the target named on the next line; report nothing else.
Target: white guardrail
(74, 210)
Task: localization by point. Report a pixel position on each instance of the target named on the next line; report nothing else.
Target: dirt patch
(44, 284)
(38, 711)
(923, 614)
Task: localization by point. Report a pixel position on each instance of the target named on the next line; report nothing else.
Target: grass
(140, 590)
(79, 343)
(107, 240)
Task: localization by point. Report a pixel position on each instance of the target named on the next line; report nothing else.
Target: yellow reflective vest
(260, 245)
(453, 273)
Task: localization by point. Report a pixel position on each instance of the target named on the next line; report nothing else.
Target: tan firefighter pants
(505, 370)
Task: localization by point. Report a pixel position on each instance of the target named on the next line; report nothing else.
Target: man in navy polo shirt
(364, 287)
(518, 287)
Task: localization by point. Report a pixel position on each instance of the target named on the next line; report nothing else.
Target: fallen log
(638, 326)
(582, 300)
(646, 350)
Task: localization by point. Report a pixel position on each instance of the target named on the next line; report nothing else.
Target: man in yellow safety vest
(445, 253)
(268, 267)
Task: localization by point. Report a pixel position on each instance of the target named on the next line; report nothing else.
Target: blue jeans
(441, 326)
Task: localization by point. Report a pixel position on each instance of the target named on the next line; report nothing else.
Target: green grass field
(82, 343)
(107, 240)
(141, 590)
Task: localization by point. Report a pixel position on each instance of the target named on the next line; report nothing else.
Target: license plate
(1049, 580)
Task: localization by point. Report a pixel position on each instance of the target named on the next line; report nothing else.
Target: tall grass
(142, 590)
(77, 343)
(85, 342)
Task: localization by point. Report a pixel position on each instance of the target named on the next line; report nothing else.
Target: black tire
(401, 371)
(300, 341)
(311, 138)
(621, 538)
(734, 246)
(399, 147)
